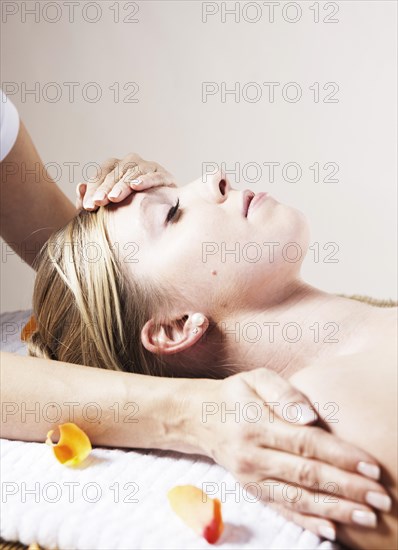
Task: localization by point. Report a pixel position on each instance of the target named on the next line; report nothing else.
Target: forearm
(115, 409)
(32, 205)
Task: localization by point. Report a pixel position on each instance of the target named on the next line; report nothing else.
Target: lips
(258, 199)
(247, 196)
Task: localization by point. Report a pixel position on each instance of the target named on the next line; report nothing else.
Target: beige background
(169, 53)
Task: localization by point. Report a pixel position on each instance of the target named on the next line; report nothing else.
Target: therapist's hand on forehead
(117, 178)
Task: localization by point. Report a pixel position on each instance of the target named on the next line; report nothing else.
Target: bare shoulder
(363, 385)
(357, 398)
(386, 326)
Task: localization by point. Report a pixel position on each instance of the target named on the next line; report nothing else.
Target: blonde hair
(88, 310)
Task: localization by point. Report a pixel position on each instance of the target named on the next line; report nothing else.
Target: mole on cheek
(214, 272)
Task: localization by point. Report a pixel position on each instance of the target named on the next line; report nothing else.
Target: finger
(133, 181)
(100, 197)
(311, 473)
(88, 203)
(152, 179)
(315, 442)
(122, 189)
(321, 527)
(132, 164)
(288, 402)
(96, 181)
(145, 166)
(116, 181)
(135, 162)
(108, 166)
(316, 503)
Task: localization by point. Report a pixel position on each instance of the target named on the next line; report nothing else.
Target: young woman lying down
(151, 286)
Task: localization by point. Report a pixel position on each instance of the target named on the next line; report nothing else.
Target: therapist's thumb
(288, 403)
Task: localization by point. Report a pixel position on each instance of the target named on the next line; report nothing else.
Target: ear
(179, 335)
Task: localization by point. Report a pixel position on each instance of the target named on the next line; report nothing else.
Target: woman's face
(218, 248)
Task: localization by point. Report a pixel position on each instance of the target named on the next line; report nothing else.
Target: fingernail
(307, 414)
(89, 204)
(114, 193)
(135, 182)
(379, 500)
(327, 532)
(369, 470)
(99, 196)
(362, 517)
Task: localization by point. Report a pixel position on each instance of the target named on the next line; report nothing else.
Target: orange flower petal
(29, 328)
(197, 510)
(73, 446)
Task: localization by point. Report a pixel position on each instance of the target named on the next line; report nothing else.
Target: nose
(218, 186)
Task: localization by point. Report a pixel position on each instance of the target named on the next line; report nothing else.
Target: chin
(285, 221)
(298, 229)
(289, 227)
(301, 232)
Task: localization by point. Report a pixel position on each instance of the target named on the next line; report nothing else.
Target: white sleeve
(9, 125)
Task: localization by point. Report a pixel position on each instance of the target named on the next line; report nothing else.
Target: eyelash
(173, 211)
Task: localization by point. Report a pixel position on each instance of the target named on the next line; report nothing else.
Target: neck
(305, 327)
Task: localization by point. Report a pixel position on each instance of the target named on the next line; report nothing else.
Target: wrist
(169, 412)
(190, 426)
(184, 430)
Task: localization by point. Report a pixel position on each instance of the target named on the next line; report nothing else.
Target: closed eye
(173, 211)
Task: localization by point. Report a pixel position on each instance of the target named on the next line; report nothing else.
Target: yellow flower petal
(73, 446)
(197, 510)
(29, 328)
